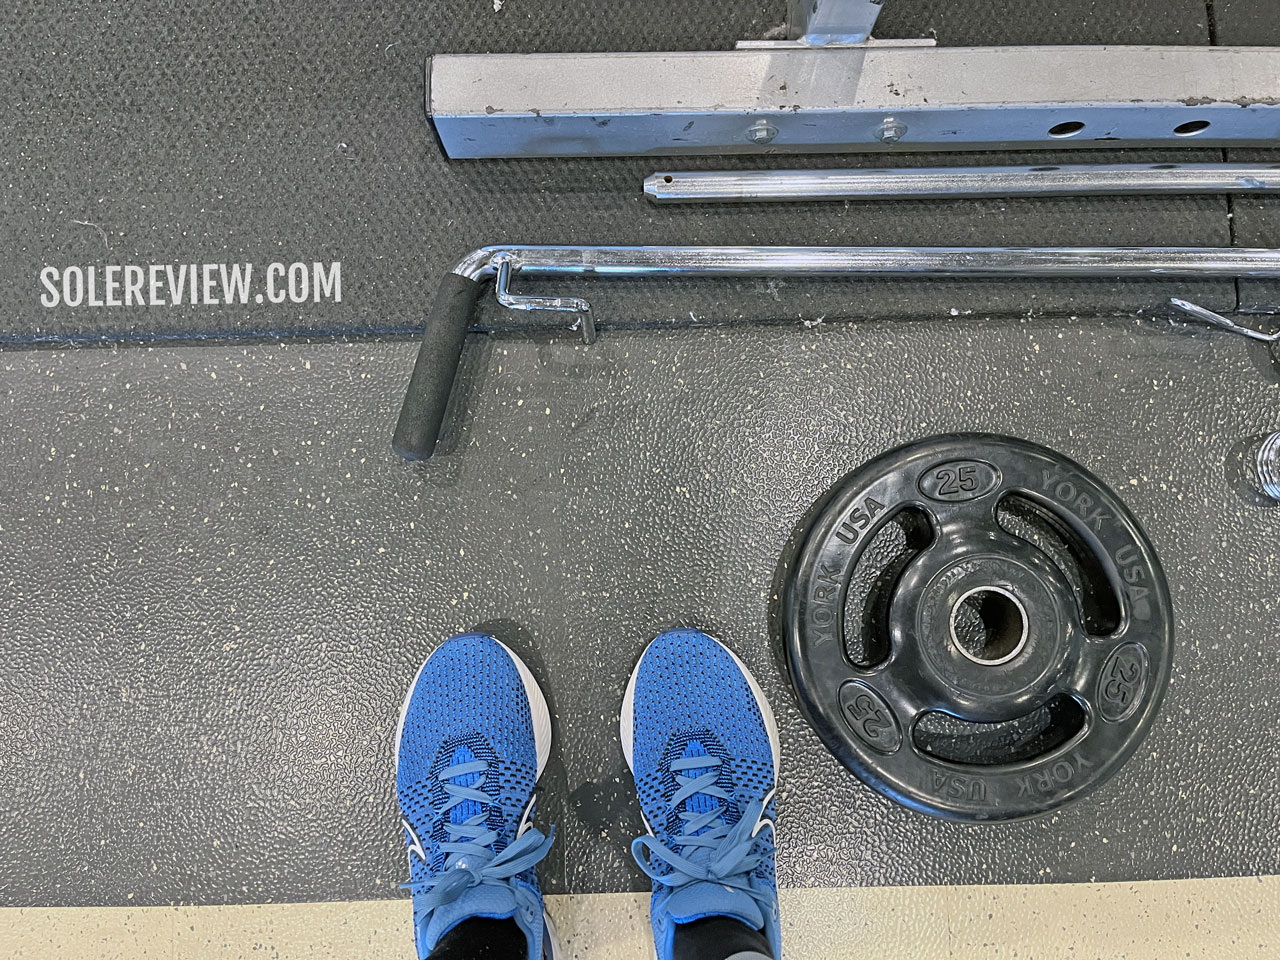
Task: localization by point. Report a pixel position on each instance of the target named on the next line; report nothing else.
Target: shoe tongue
(700, 802)
(467, 809)
(707, 899)
(497, 902)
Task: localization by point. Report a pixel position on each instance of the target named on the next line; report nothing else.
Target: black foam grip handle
(435, 369)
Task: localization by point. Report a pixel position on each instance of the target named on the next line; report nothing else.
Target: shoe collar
(510, 901)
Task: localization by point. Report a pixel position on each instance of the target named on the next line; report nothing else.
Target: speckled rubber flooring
(220, 580)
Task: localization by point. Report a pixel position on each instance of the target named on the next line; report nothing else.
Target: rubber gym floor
(217, 579)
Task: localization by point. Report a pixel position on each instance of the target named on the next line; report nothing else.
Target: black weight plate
(1046, 640)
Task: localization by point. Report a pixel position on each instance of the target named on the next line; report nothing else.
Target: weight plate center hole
(989, 626)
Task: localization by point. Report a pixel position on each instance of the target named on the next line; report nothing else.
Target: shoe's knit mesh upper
(468, 704)
(691, 699)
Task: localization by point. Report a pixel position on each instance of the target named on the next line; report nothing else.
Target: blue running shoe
(702, 745)
(473, 738)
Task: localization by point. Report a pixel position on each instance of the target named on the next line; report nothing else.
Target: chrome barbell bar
(431, 384)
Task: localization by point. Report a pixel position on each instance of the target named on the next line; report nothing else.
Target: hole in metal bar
(1068, 128)
(1190, 128)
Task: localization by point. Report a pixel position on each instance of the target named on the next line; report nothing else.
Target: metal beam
(852, 99)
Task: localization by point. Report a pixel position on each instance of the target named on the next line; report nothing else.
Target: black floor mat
(169, 132)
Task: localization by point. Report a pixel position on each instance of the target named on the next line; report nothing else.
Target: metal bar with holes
(852, 98)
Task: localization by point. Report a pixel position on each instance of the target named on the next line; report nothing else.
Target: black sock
(719, 938)
(482, 938)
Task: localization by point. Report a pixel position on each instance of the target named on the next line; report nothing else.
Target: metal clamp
(822, 23)
(506, 264)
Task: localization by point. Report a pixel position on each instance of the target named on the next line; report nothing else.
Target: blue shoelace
(710, 850)
(470, 860)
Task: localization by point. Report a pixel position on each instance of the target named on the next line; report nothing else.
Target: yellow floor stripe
(1217, 919)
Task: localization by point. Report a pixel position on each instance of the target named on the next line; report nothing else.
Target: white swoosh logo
(764, 821)
(415, 845)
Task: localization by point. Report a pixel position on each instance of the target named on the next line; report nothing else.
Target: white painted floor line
(1213, 919)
